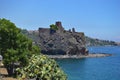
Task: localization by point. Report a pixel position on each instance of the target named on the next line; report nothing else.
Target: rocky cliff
(57, 41)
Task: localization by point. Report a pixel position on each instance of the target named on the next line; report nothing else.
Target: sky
(96, 18)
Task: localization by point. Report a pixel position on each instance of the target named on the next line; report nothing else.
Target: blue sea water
(105, 68)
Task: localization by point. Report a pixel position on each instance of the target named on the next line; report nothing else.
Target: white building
(1, 58)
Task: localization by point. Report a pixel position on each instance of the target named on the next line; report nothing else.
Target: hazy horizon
(96, 18)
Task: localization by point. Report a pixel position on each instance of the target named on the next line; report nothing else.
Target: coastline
(90, 55)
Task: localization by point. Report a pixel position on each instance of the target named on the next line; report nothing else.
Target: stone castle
(62, 42)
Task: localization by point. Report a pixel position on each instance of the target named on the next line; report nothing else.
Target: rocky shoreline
(90, 55)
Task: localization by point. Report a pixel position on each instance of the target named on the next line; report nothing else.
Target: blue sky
(96, 18)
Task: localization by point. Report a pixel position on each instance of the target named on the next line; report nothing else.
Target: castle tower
(59, 25)
(73, 30)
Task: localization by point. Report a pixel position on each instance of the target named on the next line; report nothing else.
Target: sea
(103, 68)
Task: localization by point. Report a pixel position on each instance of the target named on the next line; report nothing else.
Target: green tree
(14, 46)
(53, 27)
(42, 68)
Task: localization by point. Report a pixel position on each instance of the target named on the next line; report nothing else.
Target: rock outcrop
(61, 42)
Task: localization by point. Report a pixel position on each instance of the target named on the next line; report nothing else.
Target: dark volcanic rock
(61, 41)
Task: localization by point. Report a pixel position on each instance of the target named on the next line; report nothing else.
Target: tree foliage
(43, 68)
(53, 27)
(14, 46)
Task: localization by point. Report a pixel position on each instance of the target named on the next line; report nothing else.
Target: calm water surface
(105, 68)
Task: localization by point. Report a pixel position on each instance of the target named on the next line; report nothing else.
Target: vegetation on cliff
(53, 27)
(17, 48)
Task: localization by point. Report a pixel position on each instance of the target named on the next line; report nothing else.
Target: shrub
(43, 68)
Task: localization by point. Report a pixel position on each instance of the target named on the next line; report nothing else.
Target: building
(1, 58)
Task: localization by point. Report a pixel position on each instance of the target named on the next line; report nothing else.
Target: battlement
(60, 29)
(59, 25)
